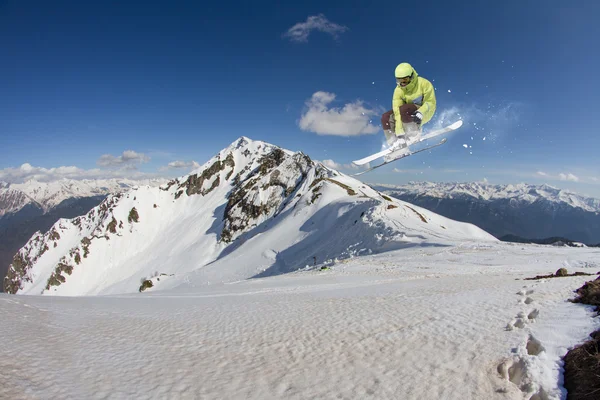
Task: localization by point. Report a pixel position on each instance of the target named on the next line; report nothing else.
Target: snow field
(420, 322)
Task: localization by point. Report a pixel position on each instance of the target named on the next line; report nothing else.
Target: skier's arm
(397, 101)
(429, 102)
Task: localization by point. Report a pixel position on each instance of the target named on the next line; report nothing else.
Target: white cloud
(337, 166)
(301, 31)
(352, 119)
(542, 173)
(407, 171)
(181, 165)
(129, 159)
(568, 177)
(28, 172)
(331, 164)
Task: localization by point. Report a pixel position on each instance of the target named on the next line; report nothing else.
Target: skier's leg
(388, 124)
(411, 129)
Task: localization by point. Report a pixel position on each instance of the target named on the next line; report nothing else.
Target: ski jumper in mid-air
(413, 105)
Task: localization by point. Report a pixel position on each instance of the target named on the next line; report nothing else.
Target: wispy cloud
(546, 176)
(28, 172)
(332, 164)
(337, 166)
(353, 119)
(181, 165)
(568, 177)
(563, 176)
(301, 31)
(428, 170)
(129, 159)
(407, 171)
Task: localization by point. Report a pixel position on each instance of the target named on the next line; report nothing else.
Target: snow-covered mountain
(33, 206)
(252, 210)
(530, 211)
(12, 200)
(47, 195)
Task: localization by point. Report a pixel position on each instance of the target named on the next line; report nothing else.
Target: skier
(413, 105)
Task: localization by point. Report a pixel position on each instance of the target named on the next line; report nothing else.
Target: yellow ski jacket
(420, 92)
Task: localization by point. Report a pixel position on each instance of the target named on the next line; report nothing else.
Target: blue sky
(132, 88)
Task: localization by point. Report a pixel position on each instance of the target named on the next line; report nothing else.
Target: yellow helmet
(403, 70)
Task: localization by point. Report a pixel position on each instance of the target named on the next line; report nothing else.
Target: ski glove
(417, 117)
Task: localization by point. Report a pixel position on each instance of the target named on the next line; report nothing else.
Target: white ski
(426, 136)
(400, 157)
(437, 132)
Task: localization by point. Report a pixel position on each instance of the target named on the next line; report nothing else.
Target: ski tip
(456, 125)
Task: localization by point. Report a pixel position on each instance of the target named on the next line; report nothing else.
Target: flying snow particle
(373, 83)
(465, 146)
(449, 91)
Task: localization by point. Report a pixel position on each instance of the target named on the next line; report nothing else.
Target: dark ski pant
(388, 122)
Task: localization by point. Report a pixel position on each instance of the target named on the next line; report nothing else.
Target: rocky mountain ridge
(26, 208)
(252, 210)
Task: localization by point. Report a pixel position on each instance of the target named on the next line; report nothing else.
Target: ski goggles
(404, 80)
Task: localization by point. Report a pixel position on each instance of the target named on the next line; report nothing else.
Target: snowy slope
(13, 200)
(456, 322)
(252, 210)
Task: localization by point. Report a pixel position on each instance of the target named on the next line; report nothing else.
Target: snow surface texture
(252, 210)
(437, 322)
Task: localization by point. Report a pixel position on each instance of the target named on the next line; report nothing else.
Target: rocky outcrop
(207, 180)
(263, 192)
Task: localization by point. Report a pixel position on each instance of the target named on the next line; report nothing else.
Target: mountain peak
(253, 209)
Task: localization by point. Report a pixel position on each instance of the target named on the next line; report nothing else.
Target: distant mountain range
(33, 206)
(526, 211)
(253, 210)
